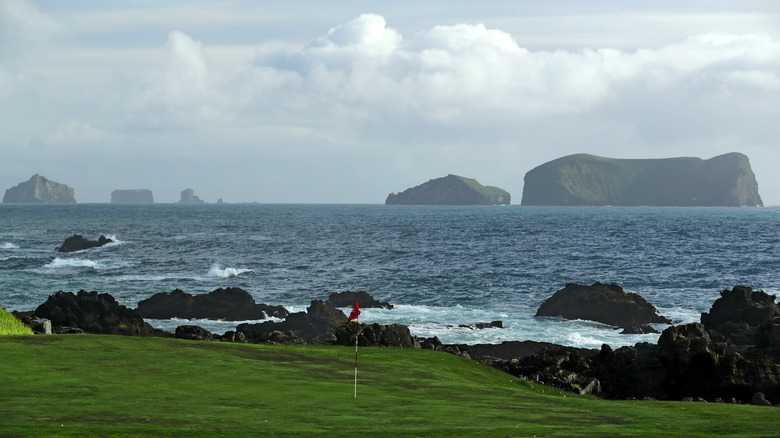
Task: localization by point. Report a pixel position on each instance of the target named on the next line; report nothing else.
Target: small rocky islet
(732, 355)
(574, 180)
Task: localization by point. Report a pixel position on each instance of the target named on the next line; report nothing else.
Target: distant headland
(37, 190)
(450, 190)
(588, 180)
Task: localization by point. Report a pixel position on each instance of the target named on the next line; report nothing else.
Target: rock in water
(606, 303)
(231, 304)
(317, 325)
(740, 316)
(132, 196)
(348, 299)
(188, 197)
(40, 190)
(450, 190)
(77, 242)
(581, 179)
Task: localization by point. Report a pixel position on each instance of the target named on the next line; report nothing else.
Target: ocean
(441, 267)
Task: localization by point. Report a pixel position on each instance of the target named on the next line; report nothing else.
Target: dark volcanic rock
(315, 326)
(483, 325)
(231, 304)
(639, 329)
(77, 242)
(376, 335)
(450, 190)
(348, 299)
(508, 350)
(562, 367)
(194, 333)
(581, 179)
(40, 190)
(738, 315)
(93, 313)
(606, 303)
(132, 196)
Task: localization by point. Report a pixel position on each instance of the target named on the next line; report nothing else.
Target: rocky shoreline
(732, 355)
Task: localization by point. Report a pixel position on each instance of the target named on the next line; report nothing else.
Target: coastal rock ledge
(230, 304)
(450, 190)
(38, 190)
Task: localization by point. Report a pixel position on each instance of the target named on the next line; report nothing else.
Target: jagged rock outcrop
(742, 316)
(348, 299)
(582, 179)
(606, 303)
(376, 335)
(132, 196)
(315, 326)
(188, 197)
(231, 304)
(450, 190)
(77, 242)
(689, 361)
(93, 313)
(40, 190)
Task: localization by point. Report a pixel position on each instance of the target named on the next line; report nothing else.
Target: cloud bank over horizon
(363, 109)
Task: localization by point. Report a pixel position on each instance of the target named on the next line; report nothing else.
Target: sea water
(441, 267)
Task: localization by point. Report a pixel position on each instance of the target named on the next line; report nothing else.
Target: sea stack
(132, 196)
(37, 190)
(450, 190)
(188, 197)
(587, 180)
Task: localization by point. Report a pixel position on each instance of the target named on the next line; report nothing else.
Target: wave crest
(8, 245)
(59, 263)
(218, 272)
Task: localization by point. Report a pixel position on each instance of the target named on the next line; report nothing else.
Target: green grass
(9, 325)
(489, 191)
(90, 385)
(584, 179)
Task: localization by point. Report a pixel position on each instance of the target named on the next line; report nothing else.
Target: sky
(298, 102)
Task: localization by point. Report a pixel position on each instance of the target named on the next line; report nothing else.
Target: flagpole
(357, 326)
(354, 316)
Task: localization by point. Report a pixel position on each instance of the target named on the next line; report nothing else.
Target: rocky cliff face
(450, 190)
(39, 190)
(723, 181)
(134, 196)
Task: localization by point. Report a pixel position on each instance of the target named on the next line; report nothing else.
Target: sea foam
(218, 272)
(59, 263)
(8, 245)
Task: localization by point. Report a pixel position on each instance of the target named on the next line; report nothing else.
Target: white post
(356, 345)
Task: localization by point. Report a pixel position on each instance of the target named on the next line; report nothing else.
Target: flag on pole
(354, 316)
(355, 312)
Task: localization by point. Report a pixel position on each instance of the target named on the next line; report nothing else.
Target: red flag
(355, 312)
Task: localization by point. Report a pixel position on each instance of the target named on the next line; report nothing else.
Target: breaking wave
(217, 272)
(8, 245)
(59, 263)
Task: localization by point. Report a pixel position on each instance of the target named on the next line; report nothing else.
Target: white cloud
(364, 98)
(451, 71)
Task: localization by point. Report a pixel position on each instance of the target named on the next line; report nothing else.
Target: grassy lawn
(90, 385)
(9, 325)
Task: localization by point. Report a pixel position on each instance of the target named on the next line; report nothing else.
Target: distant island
(588, 180)
(132, 196)
(188, 197)
(450, 190)
(38, 189)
